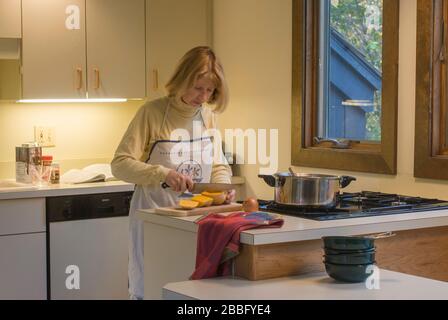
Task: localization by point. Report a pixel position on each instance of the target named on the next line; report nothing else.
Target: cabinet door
(116, 48)
(23, 266)
(22, 216)
(172, 28)
(53, 49)
(10, 19)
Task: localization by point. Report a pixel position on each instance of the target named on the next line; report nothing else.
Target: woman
(144, 154)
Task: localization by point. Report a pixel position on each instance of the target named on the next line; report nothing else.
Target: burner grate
(369, 200)
(359, 204)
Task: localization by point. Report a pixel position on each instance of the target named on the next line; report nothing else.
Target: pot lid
(306, 175)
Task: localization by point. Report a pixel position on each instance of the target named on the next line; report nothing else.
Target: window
(431, 114)
(345, 63)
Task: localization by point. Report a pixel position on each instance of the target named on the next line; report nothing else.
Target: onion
(250, 205)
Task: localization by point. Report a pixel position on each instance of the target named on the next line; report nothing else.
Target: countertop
(299, 229)
(319, 286)
(62, 189)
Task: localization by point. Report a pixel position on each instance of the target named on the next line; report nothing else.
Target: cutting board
(179, 212)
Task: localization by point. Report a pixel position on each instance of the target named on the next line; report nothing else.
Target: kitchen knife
(210, 187)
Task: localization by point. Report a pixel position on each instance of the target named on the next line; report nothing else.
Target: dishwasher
(87, 246)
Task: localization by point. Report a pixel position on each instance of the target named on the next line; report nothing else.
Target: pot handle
(345, 180)
(269, 179)
(380, 235)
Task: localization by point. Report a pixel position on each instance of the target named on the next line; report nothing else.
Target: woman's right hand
(178, 182)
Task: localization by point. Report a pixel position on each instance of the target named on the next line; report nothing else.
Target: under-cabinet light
(70, 100)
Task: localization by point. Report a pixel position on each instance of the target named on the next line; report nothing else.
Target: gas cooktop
(359, 204)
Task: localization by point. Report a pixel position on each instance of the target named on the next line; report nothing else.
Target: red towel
(219, 239)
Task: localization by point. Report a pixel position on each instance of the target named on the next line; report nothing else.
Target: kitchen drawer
(22, 216)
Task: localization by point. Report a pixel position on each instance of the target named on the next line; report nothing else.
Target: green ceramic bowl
(348, 243)
(336, 251)
(351, 258)
(348, 272)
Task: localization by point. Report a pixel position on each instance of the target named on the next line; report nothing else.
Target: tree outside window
(351, 79)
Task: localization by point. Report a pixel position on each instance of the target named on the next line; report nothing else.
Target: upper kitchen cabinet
(80, 49)
(10, 19)
(10, 34)
(115, 48)
(54, 49)
(173, 27)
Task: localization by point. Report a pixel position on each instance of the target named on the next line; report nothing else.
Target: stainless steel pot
(310, 190)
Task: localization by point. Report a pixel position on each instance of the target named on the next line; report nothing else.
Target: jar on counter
(55, 173)
(46, 160)
(41, 173)
(46, 167)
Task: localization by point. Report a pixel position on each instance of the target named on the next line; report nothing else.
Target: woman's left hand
(230, 196)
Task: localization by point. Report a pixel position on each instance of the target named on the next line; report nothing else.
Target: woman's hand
(230, 196)
(178, 182)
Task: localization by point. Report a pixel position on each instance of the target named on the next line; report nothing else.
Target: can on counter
(55, 173)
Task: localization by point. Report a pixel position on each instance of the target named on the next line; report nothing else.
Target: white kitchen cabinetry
(10, 34)
(115, 48)
(23, 249)
(79, 49)
(172, 28)
(10, 19)
(53, 57)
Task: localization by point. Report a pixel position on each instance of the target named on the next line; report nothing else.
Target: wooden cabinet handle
(155, 79)
(97, 78)
(79, 78)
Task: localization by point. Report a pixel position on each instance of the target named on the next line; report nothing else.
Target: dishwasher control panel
(91, 206)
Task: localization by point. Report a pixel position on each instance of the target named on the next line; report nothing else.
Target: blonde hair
(197, 63)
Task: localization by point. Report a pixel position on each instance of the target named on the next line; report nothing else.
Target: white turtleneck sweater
(129, 161)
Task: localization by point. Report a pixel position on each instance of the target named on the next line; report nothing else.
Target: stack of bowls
(349, 259)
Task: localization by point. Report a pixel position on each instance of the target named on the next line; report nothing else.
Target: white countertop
(54, 190)
(61, 189)
(299, 229)
(392, 286)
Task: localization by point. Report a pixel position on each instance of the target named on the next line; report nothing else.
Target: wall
(84, 133)
(253, 39)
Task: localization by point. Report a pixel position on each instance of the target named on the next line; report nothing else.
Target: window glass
(350, 69)
(431, 99)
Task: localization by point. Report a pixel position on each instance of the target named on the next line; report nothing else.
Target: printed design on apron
(192, 169)
(189, 157)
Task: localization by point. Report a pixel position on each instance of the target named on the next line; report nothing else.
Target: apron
(193, 158)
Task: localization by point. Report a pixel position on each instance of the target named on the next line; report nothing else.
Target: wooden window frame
(364, 156)
(431, 156)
